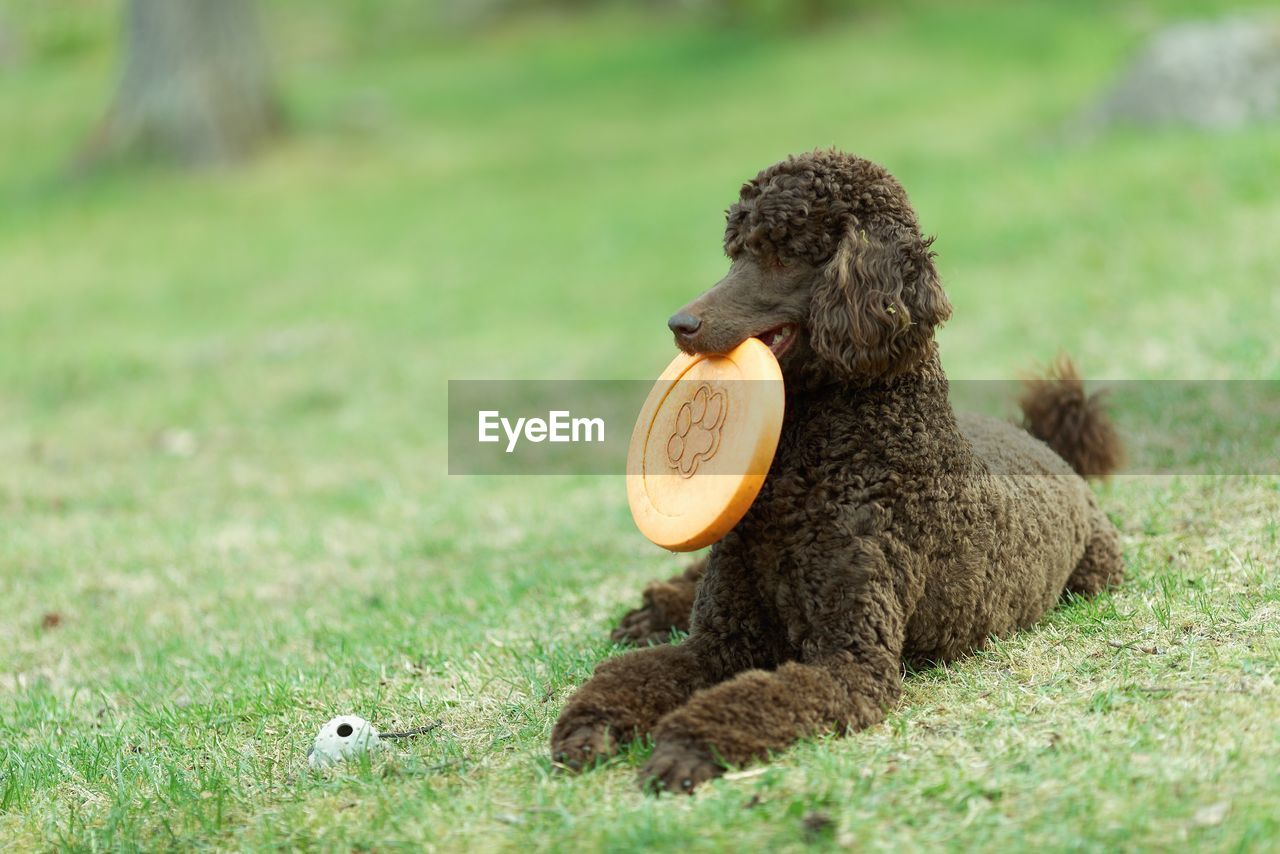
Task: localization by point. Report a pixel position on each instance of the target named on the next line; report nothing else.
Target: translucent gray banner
(573, 427)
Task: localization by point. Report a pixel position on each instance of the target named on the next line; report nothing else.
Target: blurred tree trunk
(196, 86)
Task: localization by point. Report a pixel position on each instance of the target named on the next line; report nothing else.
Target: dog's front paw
(642, 627)
(665, 608)
(679, 766)
(579, 745)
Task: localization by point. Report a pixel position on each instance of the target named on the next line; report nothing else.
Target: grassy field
(224, 514)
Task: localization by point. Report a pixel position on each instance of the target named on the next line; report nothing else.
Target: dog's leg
(848, 627)
(759, 712)
(628, 695)
(625, 698)
(1101, 566)
(667, 605)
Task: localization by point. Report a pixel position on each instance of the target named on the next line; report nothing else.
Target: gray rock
(1215, 75)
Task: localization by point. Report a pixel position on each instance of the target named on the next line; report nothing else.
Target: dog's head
(828, 268)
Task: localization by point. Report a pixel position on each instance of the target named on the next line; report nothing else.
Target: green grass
(222, 437)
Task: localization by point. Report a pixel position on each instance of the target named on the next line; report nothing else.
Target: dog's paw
(579, 747)
(678, 766)
(642, 627)
(664, 609)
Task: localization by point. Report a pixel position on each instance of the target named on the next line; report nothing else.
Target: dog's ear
(876, 303)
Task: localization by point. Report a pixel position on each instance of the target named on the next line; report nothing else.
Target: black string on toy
(409, 733)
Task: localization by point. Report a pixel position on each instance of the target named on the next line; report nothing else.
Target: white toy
(350, 736)
(344, 737)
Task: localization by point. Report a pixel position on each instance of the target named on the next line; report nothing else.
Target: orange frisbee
(702, 445)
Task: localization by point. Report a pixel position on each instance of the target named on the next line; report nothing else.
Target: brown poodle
(889, 529)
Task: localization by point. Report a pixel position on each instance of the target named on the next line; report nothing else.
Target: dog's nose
(683, 323)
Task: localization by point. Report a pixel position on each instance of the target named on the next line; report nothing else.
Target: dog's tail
(1076, 426)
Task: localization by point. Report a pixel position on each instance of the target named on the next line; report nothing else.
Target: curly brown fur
(1056, 410)
(889, 529)
(878, 298)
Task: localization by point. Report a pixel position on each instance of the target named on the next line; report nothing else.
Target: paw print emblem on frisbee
(698, 428)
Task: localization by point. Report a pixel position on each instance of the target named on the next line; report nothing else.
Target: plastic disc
(703, 443)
